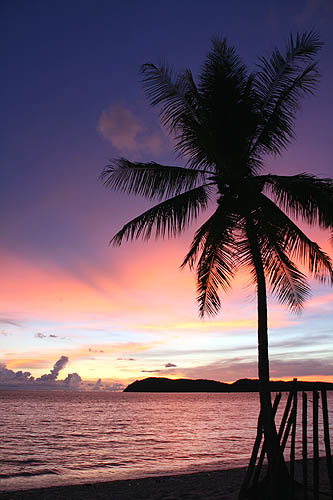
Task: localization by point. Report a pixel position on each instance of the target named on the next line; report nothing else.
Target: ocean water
(57, 438)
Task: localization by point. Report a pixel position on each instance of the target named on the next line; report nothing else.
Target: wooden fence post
(315, 446)
(253, 459)
(252, 465)
(292, 445)
(263, 449)
(327, 439)
(305, 445)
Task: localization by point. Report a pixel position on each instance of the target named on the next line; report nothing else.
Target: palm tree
(224, 127)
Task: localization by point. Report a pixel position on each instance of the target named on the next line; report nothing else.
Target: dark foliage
(224, 126)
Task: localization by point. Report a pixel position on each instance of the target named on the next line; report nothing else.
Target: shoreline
(209, 485)
(212, 485)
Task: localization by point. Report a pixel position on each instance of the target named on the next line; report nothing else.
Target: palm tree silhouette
(224, 127)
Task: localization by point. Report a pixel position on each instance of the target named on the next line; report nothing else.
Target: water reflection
(61, 438)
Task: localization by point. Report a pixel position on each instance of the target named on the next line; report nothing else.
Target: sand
(215, 485)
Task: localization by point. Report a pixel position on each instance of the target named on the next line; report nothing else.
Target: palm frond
(286, 282)
(199, 241)
(181, 108)
(303, 196)
(280, 84)
(168, 218)
(214, 242)
(228, 116)
(175, 93)
(215, 270)
(295, 243)
(151, 180)
(283, 278)
(222, 65)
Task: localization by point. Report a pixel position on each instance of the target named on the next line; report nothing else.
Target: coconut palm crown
(224, 127)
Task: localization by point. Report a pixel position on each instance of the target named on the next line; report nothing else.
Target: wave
(28, 461)
(29, 474)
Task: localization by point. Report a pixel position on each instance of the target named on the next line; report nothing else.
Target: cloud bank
(9, 379)
(242, 367)
(24, 380)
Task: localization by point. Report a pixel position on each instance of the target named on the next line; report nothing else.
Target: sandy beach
(215, 485)
(201, 486)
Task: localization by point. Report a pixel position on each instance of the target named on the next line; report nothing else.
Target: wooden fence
(287, 432)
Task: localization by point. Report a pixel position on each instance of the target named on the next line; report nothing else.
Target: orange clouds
(113, 349)
(28, 363)
(86, 358)
(309, 378)
(32, 290)
(276, 321)
(138, 305)
(148, 295)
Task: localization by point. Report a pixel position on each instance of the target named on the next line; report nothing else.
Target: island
(160, 384)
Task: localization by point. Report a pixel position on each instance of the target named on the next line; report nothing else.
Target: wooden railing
(287, 431)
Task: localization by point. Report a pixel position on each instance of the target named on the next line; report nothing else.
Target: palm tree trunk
(279, 484)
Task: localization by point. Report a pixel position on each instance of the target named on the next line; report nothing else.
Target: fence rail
(253, 479)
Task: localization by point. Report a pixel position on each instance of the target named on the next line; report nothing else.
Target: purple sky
(71, 99)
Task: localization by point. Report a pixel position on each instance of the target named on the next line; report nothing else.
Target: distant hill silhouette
(159, 384)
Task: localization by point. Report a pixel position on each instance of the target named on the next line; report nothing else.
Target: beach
(214, 485)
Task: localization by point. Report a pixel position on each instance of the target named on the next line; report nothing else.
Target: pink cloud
(28, 363)
(127, 133)
(312, 7)
(236, 368)
(319, 301)
(113, 349)
(31, 290)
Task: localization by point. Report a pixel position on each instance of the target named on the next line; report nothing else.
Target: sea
(58, 438)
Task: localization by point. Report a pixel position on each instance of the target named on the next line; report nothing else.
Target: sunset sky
(72, 99)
